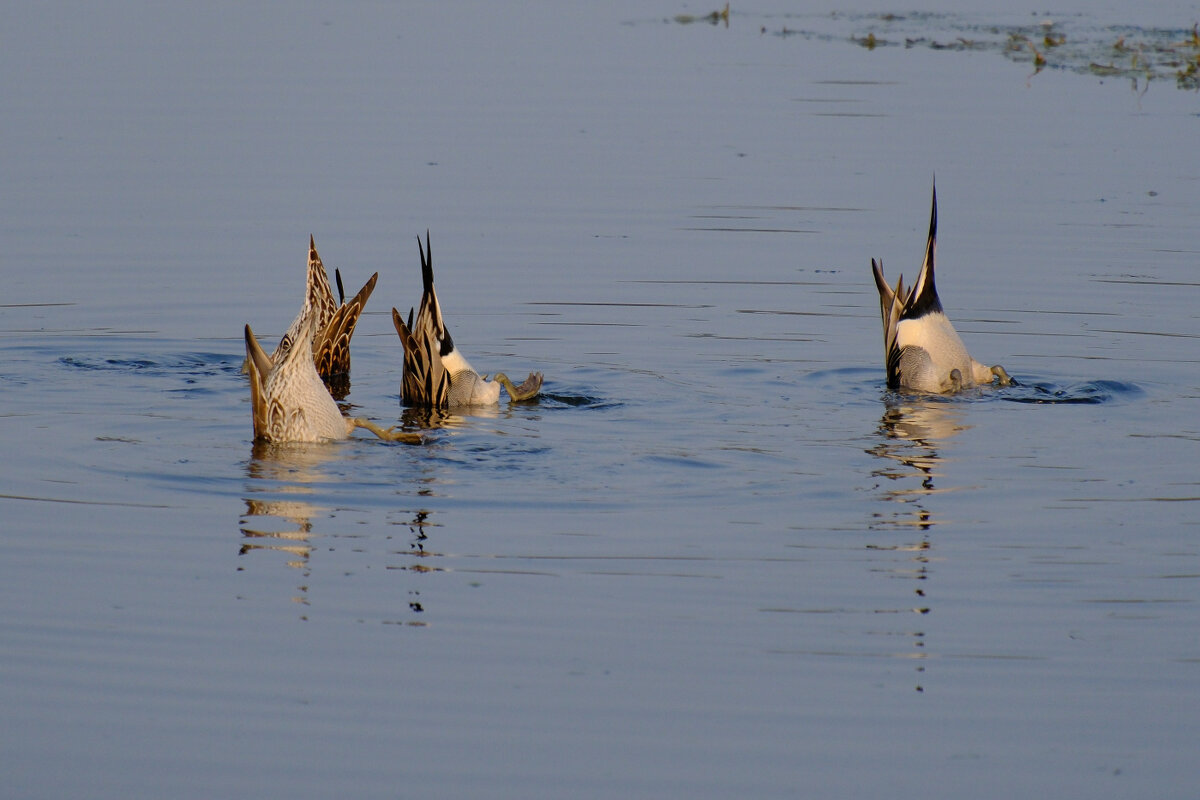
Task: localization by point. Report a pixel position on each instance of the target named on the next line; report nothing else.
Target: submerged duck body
(436, 374)
(289, 401)
(922, 351)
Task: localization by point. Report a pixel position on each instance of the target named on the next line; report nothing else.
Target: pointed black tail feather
(925, 297)
(933, 215)
(426, 262)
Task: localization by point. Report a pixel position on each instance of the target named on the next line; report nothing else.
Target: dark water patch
(1157, 498)
(729, 229)
(119, 364)
(594, 324)
(826, 100)
(724, 338)
(498, 450)
(464, 462)
(569, 400)
(1087, 392)
(1186, 436)
(1061, 313)
(74, 501)
(1167, 334)
(1145, 281)
(728, 282)
(845, 114)
(194, 390)
(680, 461)
(855, 83)
(187, 364)
(751, 207)
(617, 305)
(790, 312)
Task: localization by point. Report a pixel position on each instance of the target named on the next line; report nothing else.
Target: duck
(334, 323)
(291, 404)
(436, 374)
(923, 353)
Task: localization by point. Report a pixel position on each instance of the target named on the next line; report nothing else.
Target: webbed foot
(388, 434)
(1005, 380)
(526, 391)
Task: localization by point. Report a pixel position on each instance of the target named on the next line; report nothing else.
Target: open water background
(716, 559)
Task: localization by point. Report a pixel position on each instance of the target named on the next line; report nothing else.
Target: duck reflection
(415, 418)
(278, 517)
(293, 542)
(421, 558)
(290, 487)
(911, 436)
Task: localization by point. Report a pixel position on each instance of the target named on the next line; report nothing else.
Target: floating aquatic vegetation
(1039, 60)
(711, 18)
(1074, 45)
(868, 41)
(1104, 51)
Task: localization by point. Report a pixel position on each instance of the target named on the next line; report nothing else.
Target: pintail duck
(923, 351)
(290, 402)
(435, 374)
(333, 323)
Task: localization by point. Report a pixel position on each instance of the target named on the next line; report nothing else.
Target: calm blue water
(717, 558)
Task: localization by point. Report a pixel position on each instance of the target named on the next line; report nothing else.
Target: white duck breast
(467, 387)
(923, 352)
(933, 357)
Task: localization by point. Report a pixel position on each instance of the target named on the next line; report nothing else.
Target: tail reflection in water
(417, 418)
(278, 514)
(299, 513)
(911, 436)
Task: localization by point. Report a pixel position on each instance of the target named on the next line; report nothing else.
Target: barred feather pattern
(331, 346)
(436, 375)
(289, 402)
(333, 324)
(425, 381)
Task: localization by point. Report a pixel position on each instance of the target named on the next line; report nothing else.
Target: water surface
(717, 558)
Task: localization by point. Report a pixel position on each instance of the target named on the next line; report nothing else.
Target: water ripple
(1087, 392)
(179, 364)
